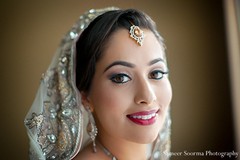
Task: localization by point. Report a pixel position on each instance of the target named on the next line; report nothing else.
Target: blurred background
(204, 107)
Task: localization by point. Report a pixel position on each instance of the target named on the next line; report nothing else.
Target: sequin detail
(35, 121)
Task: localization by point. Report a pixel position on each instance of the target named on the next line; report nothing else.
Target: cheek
(108, 101)
(110, 106)
(164, 94)
(164, 97)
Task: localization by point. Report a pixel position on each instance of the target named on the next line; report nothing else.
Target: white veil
(56, 121)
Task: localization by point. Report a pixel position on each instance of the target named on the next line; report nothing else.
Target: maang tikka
(137, 34)
(92, 129)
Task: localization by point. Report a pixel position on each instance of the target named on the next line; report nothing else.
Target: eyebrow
(130, 65)
(155, 61)
(122, 63)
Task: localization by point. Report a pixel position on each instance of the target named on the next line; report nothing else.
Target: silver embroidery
(36, 120)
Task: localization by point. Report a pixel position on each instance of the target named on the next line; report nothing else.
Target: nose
(145, 94)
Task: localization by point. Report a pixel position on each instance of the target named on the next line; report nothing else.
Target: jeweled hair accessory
(137, 34)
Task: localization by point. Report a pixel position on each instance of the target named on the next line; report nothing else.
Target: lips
(144, 117)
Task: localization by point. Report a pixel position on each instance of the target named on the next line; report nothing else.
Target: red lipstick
(144, 117)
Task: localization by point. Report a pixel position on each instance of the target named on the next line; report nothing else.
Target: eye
(157, 74)
(120, 78)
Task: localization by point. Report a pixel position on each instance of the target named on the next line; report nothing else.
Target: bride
(106, 94)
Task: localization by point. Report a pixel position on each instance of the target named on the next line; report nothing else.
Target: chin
(147, 134)
(150, 139)
(143, 138)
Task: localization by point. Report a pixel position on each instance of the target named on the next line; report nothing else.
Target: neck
(123, 149)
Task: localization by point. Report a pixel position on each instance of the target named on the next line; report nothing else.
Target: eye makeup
(157, 74)
(119, 78)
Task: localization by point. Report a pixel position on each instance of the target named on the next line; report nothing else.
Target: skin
(119, 90)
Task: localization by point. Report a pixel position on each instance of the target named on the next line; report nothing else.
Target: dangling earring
(92, 129)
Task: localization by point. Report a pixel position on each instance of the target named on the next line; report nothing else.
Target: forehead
(121, 47)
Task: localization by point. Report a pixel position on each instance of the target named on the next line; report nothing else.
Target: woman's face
(129, 93)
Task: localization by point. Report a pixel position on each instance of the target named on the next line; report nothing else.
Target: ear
(86, 101)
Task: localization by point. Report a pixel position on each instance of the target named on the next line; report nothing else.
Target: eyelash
(157, 72)
(115, 78)
(121, 78)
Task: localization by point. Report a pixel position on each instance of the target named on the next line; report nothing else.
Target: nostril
(142, 102)
(146, 100)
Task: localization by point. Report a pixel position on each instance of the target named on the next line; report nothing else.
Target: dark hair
(91, 43)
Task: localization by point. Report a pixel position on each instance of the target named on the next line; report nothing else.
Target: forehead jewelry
(137, 34)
